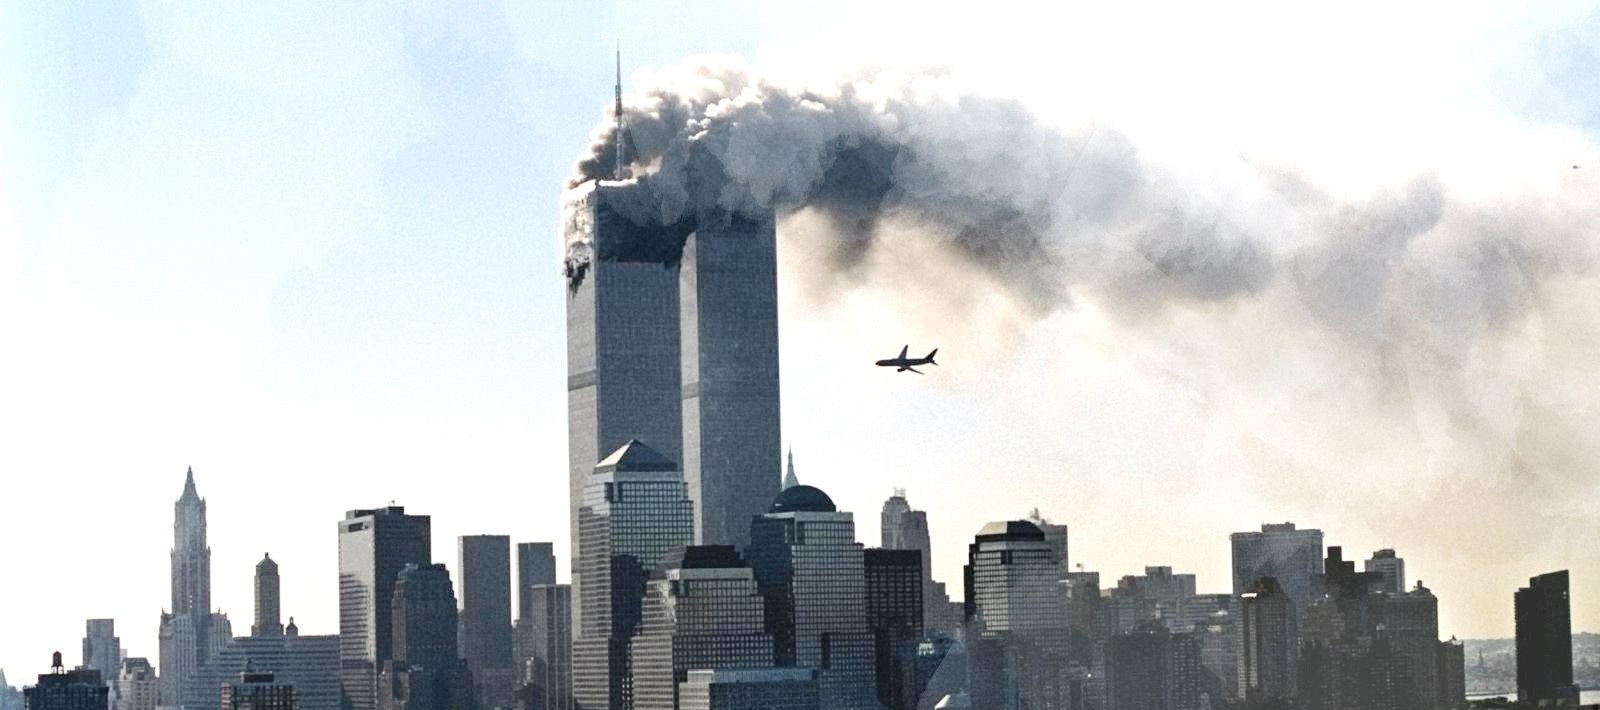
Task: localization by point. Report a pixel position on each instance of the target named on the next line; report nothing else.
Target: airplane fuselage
(903, 363)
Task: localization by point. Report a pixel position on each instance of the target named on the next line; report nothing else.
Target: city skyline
(385, 336)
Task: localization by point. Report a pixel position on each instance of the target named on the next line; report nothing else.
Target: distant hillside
(1492, 663)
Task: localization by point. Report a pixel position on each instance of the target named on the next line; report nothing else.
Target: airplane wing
(913, 369)
(903, 351)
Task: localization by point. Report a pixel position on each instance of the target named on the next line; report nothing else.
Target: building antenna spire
(617, 171)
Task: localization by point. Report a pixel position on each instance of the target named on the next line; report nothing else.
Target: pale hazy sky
(312, 253)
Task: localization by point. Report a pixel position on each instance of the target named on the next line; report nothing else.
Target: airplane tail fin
(930, 356)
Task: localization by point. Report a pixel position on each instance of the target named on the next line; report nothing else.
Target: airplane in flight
(903, 363)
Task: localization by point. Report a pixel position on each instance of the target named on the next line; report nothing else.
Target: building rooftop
(802, 498)
(636, 456)
(1011, 529)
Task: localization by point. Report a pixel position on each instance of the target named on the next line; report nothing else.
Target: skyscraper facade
(259, 690)
(536, 566)
(1267, 636)
(635, 511)
(268, 604)
(903, 528)
(1390, 569)
(732, 450)
(1291, 556)
(102, 650)
(761, 689)
(485, 639)
(1018, 627)
(310, 663)
(545, 637)
(136, 687)
(811, 572)
(1054, 533)
(186, 633)
(624, 378)
(374, 546)
(894, 613)
(1544, 641)
(426, 671)
(702, 610)
(1150, 668)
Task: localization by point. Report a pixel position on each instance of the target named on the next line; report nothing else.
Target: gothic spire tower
(191, 557)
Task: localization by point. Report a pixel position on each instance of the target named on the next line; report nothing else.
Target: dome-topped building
(801, 498)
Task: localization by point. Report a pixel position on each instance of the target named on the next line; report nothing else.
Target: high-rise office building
(1150, 668)
(1054, 533)
(1544, 641)
(890, 526)
(374, 546)
(1267, 637)
(268, 604)
(187, 635)
(102, 650)
(1409, 622)
(1452, 672)
(790, 480)
(1018, 626)
(61, 689)
(635, 511)
(702, 610)
(751, 689)
(485, 637)
(1157, 594)
(728, 295)
(541, 645)
(309, 663)
(812, 574)
(1291, 556)
(1390, 569)
(536, 566)
(544, 640)
(426, 671)
(894, 613)
(903, 528)
(136, 686)
(259, 690)
(624, 377)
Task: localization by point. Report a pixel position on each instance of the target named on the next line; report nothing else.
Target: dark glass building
(894, 613)
(763, 689)
(374, 546)
(702, 610)
(485, 639)
(635, 512)
(1544, 641)
(811, 572)
(426, 672)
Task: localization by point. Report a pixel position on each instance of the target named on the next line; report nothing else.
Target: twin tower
(678, 349)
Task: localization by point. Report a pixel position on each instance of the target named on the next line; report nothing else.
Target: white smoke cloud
(1413, 352)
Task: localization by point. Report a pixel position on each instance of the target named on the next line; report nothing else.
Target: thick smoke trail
(1037, 206)
(1420, 350)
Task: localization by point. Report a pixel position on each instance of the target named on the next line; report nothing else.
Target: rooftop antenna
(616, 173)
